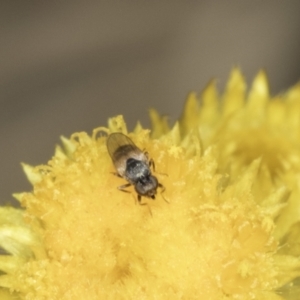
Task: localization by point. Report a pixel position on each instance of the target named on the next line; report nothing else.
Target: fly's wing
(119, 143)
(120, 147)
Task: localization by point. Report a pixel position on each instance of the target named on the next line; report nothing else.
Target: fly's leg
(123, 187)
(150, 160)
(139, 197)
(162, 187)
(162, 190)
(152, 164)
(116, 174)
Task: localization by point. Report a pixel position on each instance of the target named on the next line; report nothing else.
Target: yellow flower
(230, 228)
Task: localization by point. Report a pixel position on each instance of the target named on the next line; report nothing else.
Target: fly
(132, 164)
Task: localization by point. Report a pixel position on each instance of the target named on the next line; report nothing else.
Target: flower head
(228, 230)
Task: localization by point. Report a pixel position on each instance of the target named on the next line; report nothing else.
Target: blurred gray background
(67, 66)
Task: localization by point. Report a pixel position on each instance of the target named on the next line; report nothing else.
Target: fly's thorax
(136, 170)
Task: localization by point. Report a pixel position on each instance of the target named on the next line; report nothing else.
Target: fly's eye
(141, 188)
(154, 181)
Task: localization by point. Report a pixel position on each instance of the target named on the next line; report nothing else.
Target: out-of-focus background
(67, 66)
